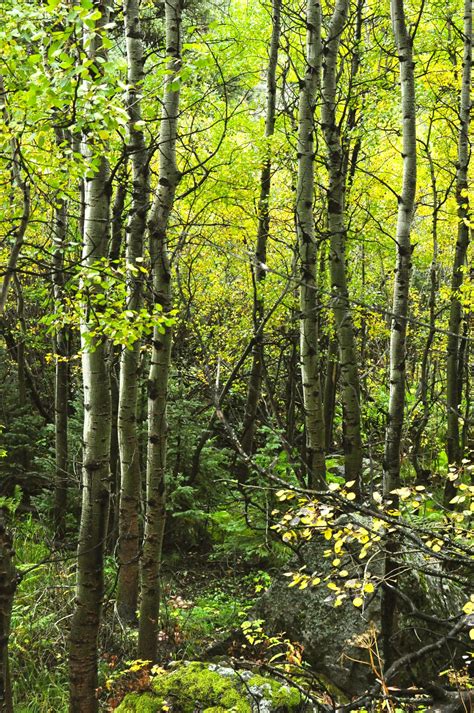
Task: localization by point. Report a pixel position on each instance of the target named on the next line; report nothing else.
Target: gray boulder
(342, 644)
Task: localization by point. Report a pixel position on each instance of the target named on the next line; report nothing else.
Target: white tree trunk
(406, 205)
(128, 542)
(161, 345)
(96, 442)
(314, 422)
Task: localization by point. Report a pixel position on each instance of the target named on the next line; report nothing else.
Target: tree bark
(128, 543)
(305, 230)
(61, 380)
(337, 231)
(96, 440)
(330, 383)
(406, 205)
(464, 229)
(8, 582)
(161, 344)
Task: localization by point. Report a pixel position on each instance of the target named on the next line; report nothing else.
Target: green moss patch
(213, 689)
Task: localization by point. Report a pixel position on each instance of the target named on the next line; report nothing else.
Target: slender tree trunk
(8, 582)
(161, 344)
(96, 440)
(128, 544)
(419, 427)
(291, 385)
(115, 248)
(406, 205)
(330, 383)
(260, 257)
(116, 226)
(467, 435)
(113, 524)
(24, 453)
(314, 422)
(464, 217)
(337, 231)
(61, 381)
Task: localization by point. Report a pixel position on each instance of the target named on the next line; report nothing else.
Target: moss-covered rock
(214, 688)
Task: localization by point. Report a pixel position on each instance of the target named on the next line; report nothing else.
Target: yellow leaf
(357, 602)
(369, 587)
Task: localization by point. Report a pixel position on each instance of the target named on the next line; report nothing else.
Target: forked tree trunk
(464, 217)
(161, 344)
(337, 232)
(96, 443)
(260, 256)
(406, 204)
(128, 543)
(314, 421)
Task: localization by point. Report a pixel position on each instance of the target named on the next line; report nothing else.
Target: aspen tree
(96, 435)
(305, 230)
(61, 379)
(406, 206)
(128, 543)
(453, 372)
(161, 344)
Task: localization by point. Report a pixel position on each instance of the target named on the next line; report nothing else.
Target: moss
(280, 695)
(194, 683)
(140, 703)
(187, 685)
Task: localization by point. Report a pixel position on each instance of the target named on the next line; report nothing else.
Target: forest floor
(203, 599)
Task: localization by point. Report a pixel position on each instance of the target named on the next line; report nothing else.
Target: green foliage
(101, 290)
(193, 624)
(42, 604)
(11, 504)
